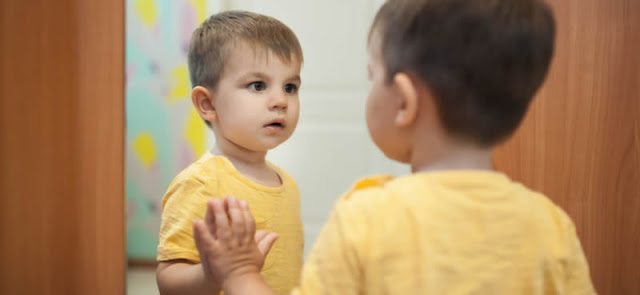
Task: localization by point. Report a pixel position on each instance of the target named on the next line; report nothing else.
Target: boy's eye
(290, 88)
(257, 86)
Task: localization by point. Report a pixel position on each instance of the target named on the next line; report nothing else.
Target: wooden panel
(61, 147)
(580, 143)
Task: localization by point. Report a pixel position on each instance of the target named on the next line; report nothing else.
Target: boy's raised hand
(229, 246)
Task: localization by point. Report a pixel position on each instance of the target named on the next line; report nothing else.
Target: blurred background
(96, 120)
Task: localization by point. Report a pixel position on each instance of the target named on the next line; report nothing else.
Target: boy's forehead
(374, 48)
(374, 42)
(244, 55)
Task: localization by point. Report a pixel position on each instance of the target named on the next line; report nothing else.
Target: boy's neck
(239, 155)
(250, 164)
(450, 155)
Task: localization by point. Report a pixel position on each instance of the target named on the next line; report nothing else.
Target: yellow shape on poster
(145, 149)
(195, 133)
(147, 11)
(180, 78)
(199, 7)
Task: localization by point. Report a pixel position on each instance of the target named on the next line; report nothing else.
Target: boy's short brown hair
(483, 60)
(212, 41)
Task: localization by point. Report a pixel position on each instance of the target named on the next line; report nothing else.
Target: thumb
(260, 235)
(205, 243)
(265, 244)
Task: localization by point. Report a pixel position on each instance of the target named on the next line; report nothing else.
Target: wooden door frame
(62, 223)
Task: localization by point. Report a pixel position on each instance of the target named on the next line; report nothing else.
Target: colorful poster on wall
(164, 133)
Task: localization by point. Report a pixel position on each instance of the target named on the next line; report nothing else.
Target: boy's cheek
(294, 120)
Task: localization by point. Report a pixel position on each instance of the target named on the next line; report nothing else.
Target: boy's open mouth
(277, 123)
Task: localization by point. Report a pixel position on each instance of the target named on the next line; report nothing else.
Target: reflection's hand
(227, 242)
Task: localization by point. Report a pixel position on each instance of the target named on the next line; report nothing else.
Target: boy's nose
(278, 101)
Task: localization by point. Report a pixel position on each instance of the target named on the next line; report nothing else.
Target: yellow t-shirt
(276, 209)
(441, 233)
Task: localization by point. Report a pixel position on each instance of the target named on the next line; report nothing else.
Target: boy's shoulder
(202, 175)
(210, 170)
(199, 178)
(375, 198)
(198, 171)
(366, 194)
(384, 191)
(367, 186)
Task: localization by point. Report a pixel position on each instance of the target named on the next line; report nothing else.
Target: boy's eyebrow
(295, 78)
(263, 76)
(258, 75)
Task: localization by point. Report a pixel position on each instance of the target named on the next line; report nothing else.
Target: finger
(205, 243)
(209, 218)
(237, 219)
(225, 201)
(266, 243)
(222, 230)
(260, 235)
(250, 224)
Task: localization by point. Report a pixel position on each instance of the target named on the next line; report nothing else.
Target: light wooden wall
(61, 147)
(580, 143)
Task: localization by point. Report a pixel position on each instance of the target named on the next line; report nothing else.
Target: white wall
(331, 148)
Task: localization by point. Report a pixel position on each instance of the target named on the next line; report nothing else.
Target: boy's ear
(409, 99)
(202, 99)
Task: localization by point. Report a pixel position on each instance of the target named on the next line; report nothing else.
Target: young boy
(450, 80)
(245, 69)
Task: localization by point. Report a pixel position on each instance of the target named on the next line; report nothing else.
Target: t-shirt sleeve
(334, 265)
(184, 201)
(578, 278)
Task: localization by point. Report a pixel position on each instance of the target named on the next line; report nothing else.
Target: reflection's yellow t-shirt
(446, 233)
(276, 209)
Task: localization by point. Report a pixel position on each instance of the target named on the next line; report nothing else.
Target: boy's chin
(404, 158)
(272, 143)
(265, 147)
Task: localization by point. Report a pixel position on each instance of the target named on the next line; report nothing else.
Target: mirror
(164, 133)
